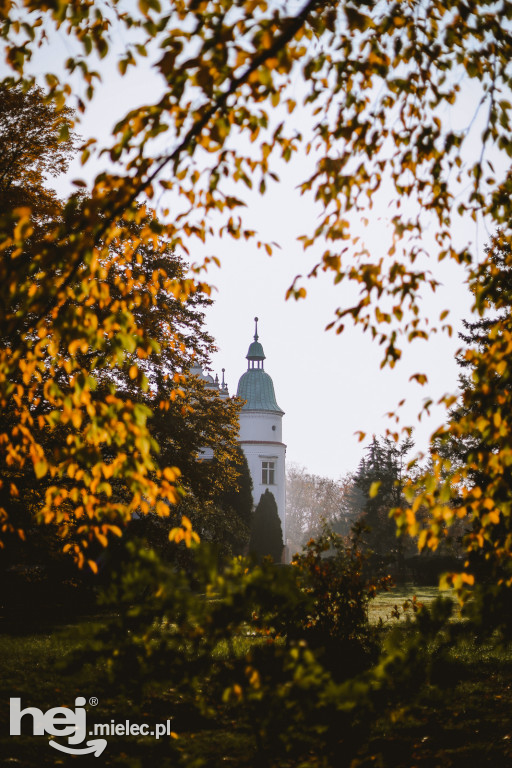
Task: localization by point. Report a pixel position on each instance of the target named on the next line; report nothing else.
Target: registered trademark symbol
(93, 701)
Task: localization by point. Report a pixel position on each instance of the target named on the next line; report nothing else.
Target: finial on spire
(256, 329)
(223, 382)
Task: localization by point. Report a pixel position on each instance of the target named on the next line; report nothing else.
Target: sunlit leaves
(184, 533)
(76, 337)
(466, 492)
(383, 83)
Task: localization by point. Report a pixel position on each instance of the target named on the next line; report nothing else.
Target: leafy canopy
(89, 356)
(383, 82)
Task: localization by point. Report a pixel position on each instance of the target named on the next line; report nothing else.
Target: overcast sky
(330, 386)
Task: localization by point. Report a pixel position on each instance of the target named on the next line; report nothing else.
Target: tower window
(268, 469)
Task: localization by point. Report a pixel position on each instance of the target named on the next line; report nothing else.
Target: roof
(255, 351)
(257, 389)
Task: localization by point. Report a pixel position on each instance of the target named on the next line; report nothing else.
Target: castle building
(260, 434)
(206, 454)
(209, 381)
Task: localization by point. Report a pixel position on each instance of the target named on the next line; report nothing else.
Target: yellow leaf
(40, 468)
(374, 489)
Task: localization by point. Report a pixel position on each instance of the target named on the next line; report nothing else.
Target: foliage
(331, 571)
(216, 525)
(237, 645)
(477, 336)
(466, 722)
(37, 143)
(266, 531)
(237, 505)
(382, 82)
(469, 484)
(33, 149)
(221, 514)
(311, 501)
(187, 418)
(107, 352)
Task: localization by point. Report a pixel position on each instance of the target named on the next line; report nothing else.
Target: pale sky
(329, 385)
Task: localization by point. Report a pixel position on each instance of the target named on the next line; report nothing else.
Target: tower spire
(255, 355)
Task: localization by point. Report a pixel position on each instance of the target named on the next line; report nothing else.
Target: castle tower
(261, 430)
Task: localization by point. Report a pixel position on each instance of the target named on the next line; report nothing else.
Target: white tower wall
(263, 426)
(258, 454)
(261, 431)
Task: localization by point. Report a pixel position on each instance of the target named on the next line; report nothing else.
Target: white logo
(59, 721)
(64, 722)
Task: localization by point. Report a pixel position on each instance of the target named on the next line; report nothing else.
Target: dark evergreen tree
(238, 497)
(266, 532)
(377, 489)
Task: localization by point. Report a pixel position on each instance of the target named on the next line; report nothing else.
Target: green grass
(399, 599)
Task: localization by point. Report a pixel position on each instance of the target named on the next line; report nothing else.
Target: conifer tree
(239, 497)
(266, 533)
(377, 490)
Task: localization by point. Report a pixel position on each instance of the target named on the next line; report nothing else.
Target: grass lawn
(382, 607)
(463, 719)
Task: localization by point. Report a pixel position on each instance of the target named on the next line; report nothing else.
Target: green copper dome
(257, 389)
(255, 386)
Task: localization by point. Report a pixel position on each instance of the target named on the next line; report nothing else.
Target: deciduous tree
(468, 487)
(381, 81)
(37, 142)
(79, 451)
(311, 502)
